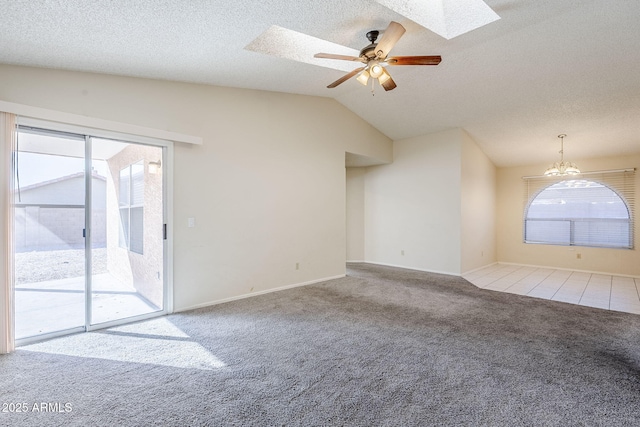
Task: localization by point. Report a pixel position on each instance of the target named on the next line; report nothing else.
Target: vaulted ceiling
(545, 67)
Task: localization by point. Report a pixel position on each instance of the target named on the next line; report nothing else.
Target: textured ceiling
(545, 67)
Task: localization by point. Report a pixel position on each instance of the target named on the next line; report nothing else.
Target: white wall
(267, 187)
(478, 199)
(510, 212)
(355, 214)
(413, 205)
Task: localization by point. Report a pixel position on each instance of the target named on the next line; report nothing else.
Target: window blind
(591, 209)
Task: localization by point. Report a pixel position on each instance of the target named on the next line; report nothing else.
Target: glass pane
(124, 193)
(578, 199)
(606, 233)
(552, 232)
(137, 230)
(49, 195)
(130, 280)
(123, 234)
(137, 187)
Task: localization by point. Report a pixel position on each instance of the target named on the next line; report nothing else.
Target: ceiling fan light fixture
(363, 77)
(376, 70)
(562, 168)
(384, 76)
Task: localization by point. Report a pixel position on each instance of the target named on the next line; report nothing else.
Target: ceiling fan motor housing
(369, 52)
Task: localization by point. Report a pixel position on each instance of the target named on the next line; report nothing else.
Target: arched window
(579, 212)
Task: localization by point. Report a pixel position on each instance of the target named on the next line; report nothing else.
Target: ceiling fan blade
(389, 84)
(414, 60)
(389, 39)
(333, 56)
(345, 78)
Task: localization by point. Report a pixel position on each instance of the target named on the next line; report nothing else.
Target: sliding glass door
(127, 239)
(89, 232)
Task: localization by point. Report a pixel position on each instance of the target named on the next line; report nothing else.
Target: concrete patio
(54, 305)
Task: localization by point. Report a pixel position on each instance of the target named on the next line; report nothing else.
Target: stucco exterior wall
(143, 271)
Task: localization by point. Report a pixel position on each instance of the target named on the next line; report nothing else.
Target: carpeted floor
(381, 347)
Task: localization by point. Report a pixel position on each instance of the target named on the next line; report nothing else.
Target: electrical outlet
(297, 266)
(579, 255)
(402, 252)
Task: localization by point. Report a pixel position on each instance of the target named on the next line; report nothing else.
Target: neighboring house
(49, 215)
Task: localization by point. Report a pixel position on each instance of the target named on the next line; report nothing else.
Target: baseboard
(606, 273)
(412, 268)
(479, 268)
(355, 261)
(254, 294)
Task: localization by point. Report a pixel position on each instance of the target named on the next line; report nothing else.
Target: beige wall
(412, 206)
(510, 212)
(478, 198)
(355, 214)
(267, 187)
(434, 207)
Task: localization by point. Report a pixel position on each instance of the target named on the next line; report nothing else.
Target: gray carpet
(381, 347)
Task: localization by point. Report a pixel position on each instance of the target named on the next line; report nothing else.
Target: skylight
(447, 18)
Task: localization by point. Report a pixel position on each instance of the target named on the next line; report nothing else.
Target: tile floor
(594, 290)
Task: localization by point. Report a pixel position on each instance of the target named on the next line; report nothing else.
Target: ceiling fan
(375, 58)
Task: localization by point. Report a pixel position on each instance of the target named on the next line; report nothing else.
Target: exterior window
(579, 212)
(131, 201)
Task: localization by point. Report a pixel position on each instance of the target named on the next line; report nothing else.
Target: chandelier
(562, 168)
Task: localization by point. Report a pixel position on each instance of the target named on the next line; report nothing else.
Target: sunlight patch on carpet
(155, 342)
